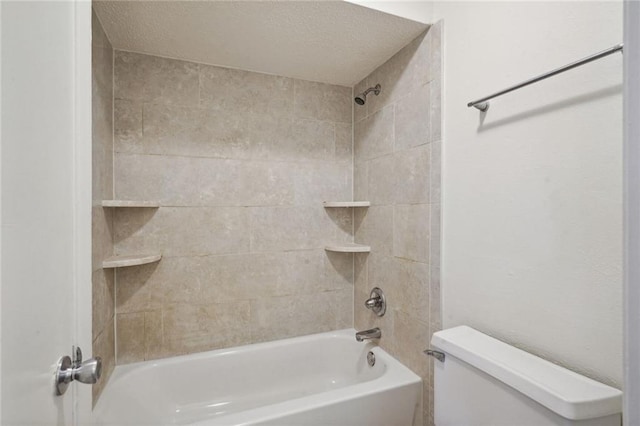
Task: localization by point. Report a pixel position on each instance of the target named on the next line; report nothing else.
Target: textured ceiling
(329, 41)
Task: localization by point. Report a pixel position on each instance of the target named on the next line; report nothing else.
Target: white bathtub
(322, 380)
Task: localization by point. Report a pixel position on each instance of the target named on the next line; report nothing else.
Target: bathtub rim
(396, 375)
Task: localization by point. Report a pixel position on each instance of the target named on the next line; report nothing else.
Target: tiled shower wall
(240, 163)
(102, 188)
(397, 167)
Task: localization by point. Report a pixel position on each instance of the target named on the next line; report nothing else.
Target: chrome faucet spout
(374, 333)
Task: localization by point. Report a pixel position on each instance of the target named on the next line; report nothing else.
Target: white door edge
(82, 178)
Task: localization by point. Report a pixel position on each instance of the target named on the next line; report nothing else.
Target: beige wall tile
(338, 272)
(411, 290)
(147, 78)
(127, 127)
(344, 142)
(180, 231)
(360, 272)
(321, 181)
(434, 38)
(314, 139)
(194, 328)
(412, 118)
(320, 101)
(343, 222)
(374, 227)
(435, 169)
(197, 132)
(101, 58)
(412, 174)
(385, 272)
(412, 336)
(137, 289)
(290, 228)
(153, 335)
(187, 181)
(411, 232)
(382, 180)
(290, 316)
(104, 346)
(241, 92)
(361, 181)
(407, 69)
(98, 36)
(285, 139)
(436, 110)
(103, 306)
(242, 183)
(210, 279)
(130, 332)
(360, 111)
(170, 180)
(343, 303)
(434, 281)
(101, 234)
(102, 149)
(373, 136)
(241, 172)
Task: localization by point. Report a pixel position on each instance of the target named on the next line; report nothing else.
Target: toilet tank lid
(565, 392)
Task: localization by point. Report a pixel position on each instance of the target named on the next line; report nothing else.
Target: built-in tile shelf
(130, 260)
(348, 248)
(130, 203)
(347, 203)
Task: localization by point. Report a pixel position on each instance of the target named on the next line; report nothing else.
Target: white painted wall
(532, 249)
(632, 212)
(532, 192)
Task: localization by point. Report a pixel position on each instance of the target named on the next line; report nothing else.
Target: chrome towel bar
(483, 105)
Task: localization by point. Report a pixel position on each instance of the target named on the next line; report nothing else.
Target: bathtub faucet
(374, 333)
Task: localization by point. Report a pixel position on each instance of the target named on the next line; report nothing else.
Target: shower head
(362, 97)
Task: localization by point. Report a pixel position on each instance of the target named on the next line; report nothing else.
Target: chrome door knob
(88, 371)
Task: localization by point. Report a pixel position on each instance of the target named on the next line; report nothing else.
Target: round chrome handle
(89, 371)
(372, 303)
(376, 302)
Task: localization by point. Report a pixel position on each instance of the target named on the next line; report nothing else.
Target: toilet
(483, 381)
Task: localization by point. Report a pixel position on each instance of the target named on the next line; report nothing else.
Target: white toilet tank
(483, 381)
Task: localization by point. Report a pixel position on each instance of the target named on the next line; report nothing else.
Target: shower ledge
(130, 260)
(130, 203)
(348, 248)
(347, 203)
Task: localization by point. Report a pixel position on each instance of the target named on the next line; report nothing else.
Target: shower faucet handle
(376, 302)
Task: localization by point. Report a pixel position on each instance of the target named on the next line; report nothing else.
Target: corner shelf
(130, 260)
(348, 248)
(347, 203)
(130, 203)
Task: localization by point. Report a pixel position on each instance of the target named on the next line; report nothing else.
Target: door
(45, 196)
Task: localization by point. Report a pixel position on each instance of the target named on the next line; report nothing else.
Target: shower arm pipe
(483, 105)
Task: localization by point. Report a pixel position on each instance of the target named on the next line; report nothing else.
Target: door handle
(68, 370)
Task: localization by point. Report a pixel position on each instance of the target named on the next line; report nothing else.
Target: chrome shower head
(362, 97)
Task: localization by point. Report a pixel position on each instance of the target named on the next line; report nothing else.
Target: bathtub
(322, 379)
